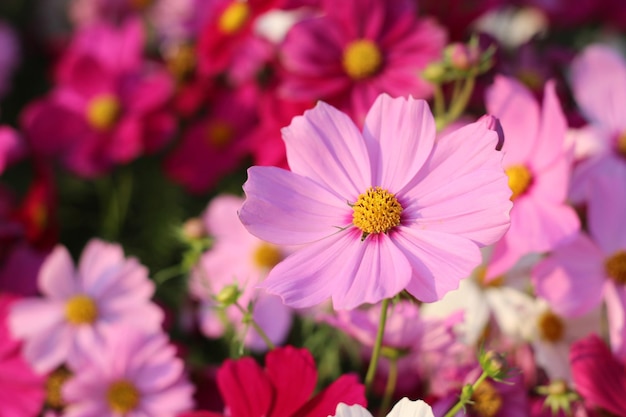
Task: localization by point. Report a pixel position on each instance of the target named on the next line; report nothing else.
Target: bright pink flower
(283, 389)
(238, 258)
(358, 50)
(21, 390)
(105, 289)
(12, 147)
(129, 373)
(372, 206)
(600, 378)
(538, 166)
(108, 107)
(228, 28)
(215, 145)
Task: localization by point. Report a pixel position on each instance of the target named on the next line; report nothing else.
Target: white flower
(404, 408)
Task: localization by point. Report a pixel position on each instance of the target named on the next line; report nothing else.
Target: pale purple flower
(131, 374)
(105, 289)
(382, 210)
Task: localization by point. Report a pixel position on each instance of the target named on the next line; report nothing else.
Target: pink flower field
(312, 208)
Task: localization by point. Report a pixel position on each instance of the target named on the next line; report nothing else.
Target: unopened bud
(460, 56)
(229, 295)
(194, 229)
(494, 365)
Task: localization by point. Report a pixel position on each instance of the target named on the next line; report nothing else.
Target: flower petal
(57, 277)
(326, 146)
(408, 408)
(400, 134)
(439, 261)
(244, 379)
(344, 410)
(288, 209)
(345, 389)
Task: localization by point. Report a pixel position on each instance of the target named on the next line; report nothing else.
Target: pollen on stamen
(123, 396)
(376, 211)
(551, 327)
(234, 17)
(486, 400)
(615, 267)
(81, 309)
(361, 59)
(520, 179)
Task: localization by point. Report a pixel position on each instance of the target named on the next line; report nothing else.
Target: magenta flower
(538, 166)
(105, 289)
(382, 210)
(283, 389)
(131, 374)
(21, 389)
(358, 50)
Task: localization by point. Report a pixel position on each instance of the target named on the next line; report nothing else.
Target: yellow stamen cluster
(181, 61)
(54, 384)
(362, 59)
(519, 180)
(266, 256)
(234, 17)
(615, 267)
(481, 277)
(551, 327)
(81, 309)
(621, 144)
(103, 111)
(486, 400)
(376, 211)
(219, 134)
(123, 396)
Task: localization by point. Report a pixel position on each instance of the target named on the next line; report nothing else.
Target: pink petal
(245, 388)
(400, 134)
(518, 111)
(346, 389)
(598, 82)
(57, 277)
(294, 375)
(288, 209)
(325, 146)
(571, 278)
(97, 259)
(439, 261)
(615, 298)
(49, 349)
(462, 188)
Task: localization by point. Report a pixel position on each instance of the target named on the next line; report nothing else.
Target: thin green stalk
(248, 317)
(371, 370)
(439, 101)
(466, 396)
(390, 388)
(458, 105)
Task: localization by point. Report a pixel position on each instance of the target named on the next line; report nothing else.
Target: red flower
(282, 389)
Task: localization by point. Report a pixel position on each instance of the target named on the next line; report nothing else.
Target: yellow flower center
(81, 309)
(376, 211)
(219, 134)
(122, 396)
(361, 59)
(234, 17)
(54, 384)
(181, 61)
(519, 179)
(486, 400)
(266, 256)
(103, 111)
(615, 267)
(551, 327)
(621, 144)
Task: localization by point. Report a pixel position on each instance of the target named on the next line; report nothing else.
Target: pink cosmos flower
(538, 166)
(109, 105)
(21, 389)
(283, 389)
(600, 377)
(357, 50)
(382, 210)
(106, 288)
(238, 258)
(130, 373)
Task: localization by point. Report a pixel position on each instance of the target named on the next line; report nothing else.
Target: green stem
(457, 107)
(168, 273)
(439, 101)
(248, 316)
(463, 400)
(390, 388)
(371, 370)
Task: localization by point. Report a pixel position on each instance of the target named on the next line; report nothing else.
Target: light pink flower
(382, 210)
(538, 166)
(238, 258)
(357, 50)
(105, 289)
(21, 389)
(130, 374)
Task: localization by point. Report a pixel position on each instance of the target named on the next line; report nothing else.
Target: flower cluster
(312, 208)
